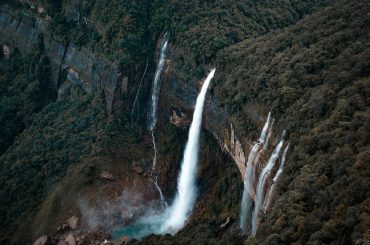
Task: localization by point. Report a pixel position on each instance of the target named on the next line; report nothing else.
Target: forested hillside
(314, 77)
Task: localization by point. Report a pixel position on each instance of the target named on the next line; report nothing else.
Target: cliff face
(81, 67)
(69, 65)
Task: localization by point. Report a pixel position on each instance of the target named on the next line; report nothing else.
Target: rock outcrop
(107, 176)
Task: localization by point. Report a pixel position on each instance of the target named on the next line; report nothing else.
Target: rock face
(69, 65)
(236, 151)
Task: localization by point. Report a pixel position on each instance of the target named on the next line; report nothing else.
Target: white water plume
(262, 181)
(185, 197)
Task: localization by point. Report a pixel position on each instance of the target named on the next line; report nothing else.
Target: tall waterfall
(249, 177)
(152, 118)
(185, 197)
(156, 84)
(271, 192)
(262, 181)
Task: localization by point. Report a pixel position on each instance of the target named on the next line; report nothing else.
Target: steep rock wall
(68, 63)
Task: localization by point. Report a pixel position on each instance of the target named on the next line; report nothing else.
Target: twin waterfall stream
(258, 191)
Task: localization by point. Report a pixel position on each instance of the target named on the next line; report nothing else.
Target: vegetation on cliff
(315, 78)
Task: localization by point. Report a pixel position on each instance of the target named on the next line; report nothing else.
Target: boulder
(42, 240)
(107, 176)
(70, 239)
(72, 222)
(124, 240)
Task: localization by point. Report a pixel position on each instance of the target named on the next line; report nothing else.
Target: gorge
(109, 136)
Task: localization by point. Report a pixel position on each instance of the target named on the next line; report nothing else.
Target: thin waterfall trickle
(138, 90)
(249, 177)
(262, 181)
(152, 119)
(185, 197)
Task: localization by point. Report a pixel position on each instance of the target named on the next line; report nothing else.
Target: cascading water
(152, 119)
(262, 181)
(185, 197)
(249, 177)
(271, 192)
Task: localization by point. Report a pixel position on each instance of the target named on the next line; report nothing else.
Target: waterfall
(152, 119)
(138, 90)
(249, 177)
(156, 85)
(269, 133)
(271, 192)
(265, 129)
(246, 205)
(185, 197)
(262, 181)
(154, 173)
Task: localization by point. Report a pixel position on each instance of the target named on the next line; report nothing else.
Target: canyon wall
(68, 63)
